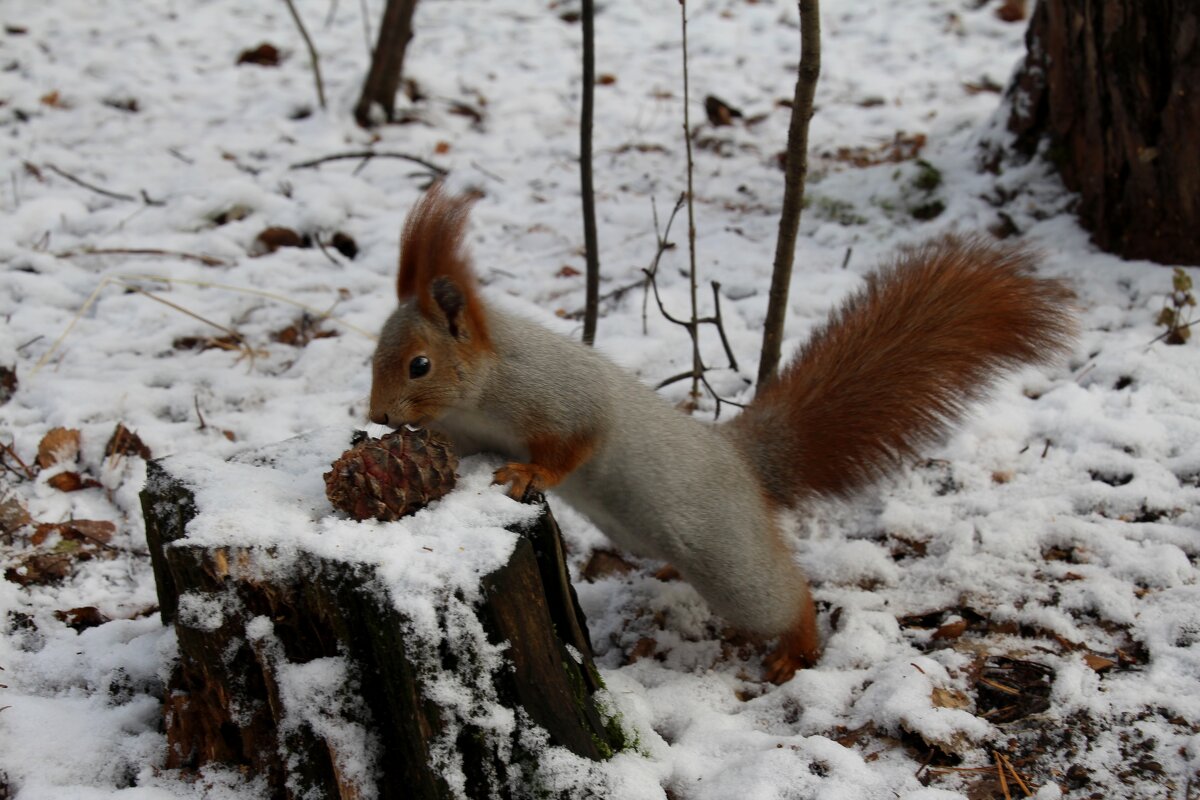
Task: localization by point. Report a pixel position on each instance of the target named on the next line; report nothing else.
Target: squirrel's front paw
(522, 479)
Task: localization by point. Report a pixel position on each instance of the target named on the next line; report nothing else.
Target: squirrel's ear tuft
(451, 301)
(432, 242)
(434, 266)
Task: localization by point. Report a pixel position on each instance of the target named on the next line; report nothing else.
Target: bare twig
(663, 243)
(793, 193)
(1169, 331)
(370, 154)
(124, 278)
(592, 271)
(325, 251)
(316, 312)
(716, 319)
(7, 449)
(691, 326)
(312, 52)
(926, 762)
(614, 294)
(697, 367)
(237, 337)
(196, 400)
(208, 261)
(99, 190)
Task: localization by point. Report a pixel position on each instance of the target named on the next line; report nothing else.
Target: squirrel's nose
(379, 417)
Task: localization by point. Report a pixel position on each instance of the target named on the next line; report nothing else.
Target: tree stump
(343, 660)
(1114, 85)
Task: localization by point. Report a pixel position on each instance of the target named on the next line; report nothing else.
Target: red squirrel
(891, 370)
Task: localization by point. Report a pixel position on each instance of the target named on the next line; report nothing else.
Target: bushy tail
(897, 365)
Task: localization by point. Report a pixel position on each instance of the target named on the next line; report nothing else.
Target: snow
(1060, 522)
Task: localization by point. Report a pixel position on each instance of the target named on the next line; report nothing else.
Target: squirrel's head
(432, 348)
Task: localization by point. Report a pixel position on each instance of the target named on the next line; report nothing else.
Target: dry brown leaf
(127, 443)
(274, 238)
(58, 446)
(603, 564)
(1012, 10)
(40, 569)
(13, 516)
(951, 630)
(91, 530)
(8, 383)
(71, 482)
(82, 618)
(644, 648)
(265, 55)
(1098, 662)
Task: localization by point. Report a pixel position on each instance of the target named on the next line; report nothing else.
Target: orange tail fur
(897, 365)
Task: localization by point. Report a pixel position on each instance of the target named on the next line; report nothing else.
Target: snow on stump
(441, 655)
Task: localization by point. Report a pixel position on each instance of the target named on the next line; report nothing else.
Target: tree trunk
(387, 62)
(1114, 85)
(228, 699)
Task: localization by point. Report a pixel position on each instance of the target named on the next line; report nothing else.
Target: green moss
(928, 177)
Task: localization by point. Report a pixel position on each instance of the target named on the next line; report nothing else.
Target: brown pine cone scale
(393, 476)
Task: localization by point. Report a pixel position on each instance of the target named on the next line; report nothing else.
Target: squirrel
(894, 368)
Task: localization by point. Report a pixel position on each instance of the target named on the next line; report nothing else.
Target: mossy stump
(224, 702)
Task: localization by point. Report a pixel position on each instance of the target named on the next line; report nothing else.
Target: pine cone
(391, 477)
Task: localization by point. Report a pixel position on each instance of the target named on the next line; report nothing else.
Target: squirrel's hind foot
(798, 648)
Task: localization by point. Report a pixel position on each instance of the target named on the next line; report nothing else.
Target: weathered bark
(224, 702)
(387, 62)
(1114, 85)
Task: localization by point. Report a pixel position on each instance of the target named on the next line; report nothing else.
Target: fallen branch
(368, 155)
(208, 261)
(125, 278)
(62, 173)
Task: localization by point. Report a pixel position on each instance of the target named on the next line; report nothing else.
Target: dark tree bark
(387, 62)
(224, 703)
(1114, 85)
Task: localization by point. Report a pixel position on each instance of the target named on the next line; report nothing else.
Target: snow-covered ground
(1057, 529)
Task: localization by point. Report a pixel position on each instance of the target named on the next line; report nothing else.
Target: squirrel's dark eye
(418, 367)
